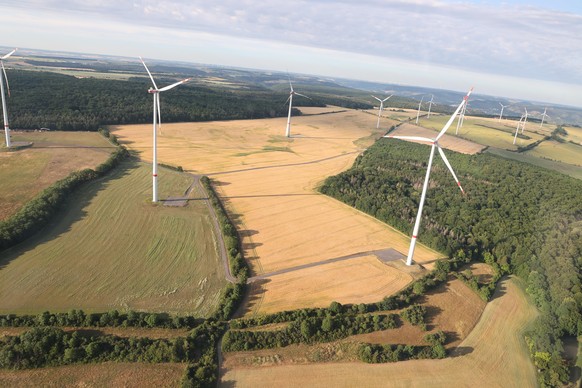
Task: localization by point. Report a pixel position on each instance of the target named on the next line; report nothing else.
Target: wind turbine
(418, 112)
(381, 107)
(290, 99)
(517, 128)
(501, 114)
(430, 105)
(461, 117)
(157, 118)
(544, 115)
(435, 144)
(524, 120)
(3, 77)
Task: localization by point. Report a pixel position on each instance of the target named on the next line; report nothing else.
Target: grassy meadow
(112, 249)
(53, 156)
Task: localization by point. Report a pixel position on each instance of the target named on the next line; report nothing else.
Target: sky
(514, 48)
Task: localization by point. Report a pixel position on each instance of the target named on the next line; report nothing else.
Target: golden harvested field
(395, 114)
(109, 374)
(494, 354)
(563, 152)
(53, 156)
(574, 134)
(486, 131)
(269, 182)
(447, 141)
(111, 249)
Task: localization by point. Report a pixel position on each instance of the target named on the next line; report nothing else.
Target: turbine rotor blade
(452, 118)
(444, 157)
(386, 99)
(159, 114)
(174, 85)
(150, 74)
(416, 138)
(9, 54)
(5, 78)
(302, 95)
(288, 98)
(376, 97)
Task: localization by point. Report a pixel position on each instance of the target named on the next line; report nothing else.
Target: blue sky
(522, 49)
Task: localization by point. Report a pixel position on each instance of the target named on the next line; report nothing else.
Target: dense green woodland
(525, 219)
(62, 102)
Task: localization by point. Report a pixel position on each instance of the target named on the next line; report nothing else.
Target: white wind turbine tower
(524, 121)
(430, 105)
(157, 118)
(461, 117)
(544, 115)
(3, 77)
(435, 144)
(517, 128)
(290, 99)
(501, 114)
(381, 107)
(418, 112)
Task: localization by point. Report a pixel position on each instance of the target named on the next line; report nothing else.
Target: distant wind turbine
(157, 118)
(501, 114)
(418, 112)
(435, 144)
(517, 128)
(3, 77)
(544, 115)
(524, 120)
(430, 105)
(290, 99)
(462, 117)
(381, 107)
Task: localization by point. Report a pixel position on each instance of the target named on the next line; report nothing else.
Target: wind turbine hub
(152, 91)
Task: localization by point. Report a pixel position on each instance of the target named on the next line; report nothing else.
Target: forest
(526, 220)
(63, 102)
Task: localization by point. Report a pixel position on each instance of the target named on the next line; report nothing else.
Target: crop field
(109, 374)
(562, 152)
(485, 131)
(447, 141)
(395, 114)
(493, 354)
(53, 156)
(453, 308)
(269, 182)
(574, 134)
(111, 249)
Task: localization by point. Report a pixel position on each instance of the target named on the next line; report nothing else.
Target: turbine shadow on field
(72, 211)
(283, 165)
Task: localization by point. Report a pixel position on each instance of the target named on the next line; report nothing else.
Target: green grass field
(484, 131)
(562, 152)
(567, 169)
(112, 249)
(54, 155)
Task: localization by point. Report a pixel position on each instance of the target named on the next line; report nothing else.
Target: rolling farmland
(53, 156)
(111, 249)
(493, 354)
(268, 183)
